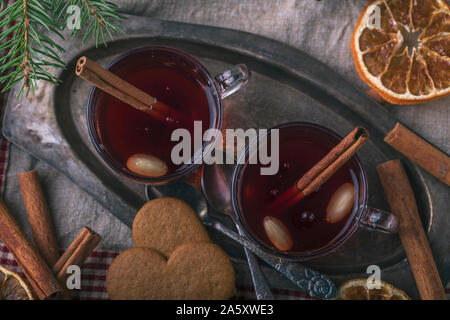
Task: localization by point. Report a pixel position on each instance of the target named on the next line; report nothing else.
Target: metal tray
(286, 85)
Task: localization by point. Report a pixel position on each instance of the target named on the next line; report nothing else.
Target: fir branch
(20, 41)
(28, 52)
(97, 16)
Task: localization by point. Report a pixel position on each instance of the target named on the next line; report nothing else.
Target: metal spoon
(311, 282)
(216, 188)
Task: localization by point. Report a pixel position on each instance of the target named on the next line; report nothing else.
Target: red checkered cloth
(93, 276)
(93, 272)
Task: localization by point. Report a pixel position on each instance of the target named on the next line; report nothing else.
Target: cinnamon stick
(38, 273)
(323, 170)
(121, 89)
(76, 253)
(333, 161)
(403, 204)
(39, 216)
(421, 152)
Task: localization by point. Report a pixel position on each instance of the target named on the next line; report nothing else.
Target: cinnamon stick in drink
(39, 216)
(333, 161)
(324, 169)
(123, 90)
(421, 152)
(38, 273)
(403, 204)
(76, 253)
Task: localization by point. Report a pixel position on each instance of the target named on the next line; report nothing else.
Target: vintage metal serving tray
(286, 85)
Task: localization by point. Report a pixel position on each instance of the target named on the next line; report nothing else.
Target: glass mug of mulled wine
(317, 224)
(137, 145)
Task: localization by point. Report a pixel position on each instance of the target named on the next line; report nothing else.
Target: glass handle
(232, 80)
(380, 220)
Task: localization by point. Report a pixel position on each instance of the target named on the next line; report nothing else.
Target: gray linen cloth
(319, 28)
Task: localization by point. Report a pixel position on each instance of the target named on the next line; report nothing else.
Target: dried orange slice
(358, 289)
(13, 287)
(406, 57)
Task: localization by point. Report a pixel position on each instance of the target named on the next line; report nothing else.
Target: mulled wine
(318, 219)
(128, 135)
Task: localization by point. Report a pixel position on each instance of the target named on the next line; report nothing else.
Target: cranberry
(304, 219)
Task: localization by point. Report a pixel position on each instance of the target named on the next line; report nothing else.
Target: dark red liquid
(301, 147)
(172, 79)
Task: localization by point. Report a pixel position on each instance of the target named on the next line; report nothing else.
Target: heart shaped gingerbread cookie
(164, 224)
(174, 258)
(194, 271)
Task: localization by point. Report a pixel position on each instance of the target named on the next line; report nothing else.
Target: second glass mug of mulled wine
(127, 139)
(320, 222)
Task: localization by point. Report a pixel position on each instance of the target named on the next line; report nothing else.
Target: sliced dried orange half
(405, 57)
(359, 289)
(13, 287)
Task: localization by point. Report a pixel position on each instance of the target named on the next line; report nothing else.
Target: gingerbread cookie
(193, 271)
(164, 224)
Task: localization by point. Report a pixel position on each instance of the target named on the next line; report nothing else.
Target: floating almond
(147, 165)
(278, 234)
(341, 203)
